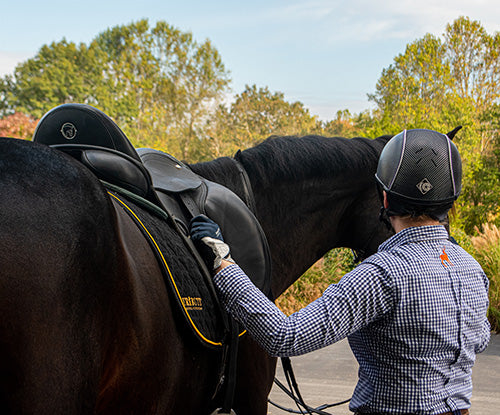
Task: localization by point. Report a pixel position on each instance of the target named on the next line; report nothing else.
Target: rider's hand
(207, 237)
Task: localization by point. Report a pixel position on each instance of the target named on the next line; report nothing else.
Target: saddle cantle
(92, 137)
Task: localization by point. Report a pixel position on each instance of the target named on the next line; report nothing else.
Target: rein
(294, 394)
(293, 391)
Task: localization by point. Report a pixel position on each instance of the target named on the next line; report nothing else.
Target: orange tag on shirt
(445, 261)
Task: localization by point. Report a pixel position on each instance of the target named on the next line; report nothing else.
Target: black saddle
(91, 137)
(187, 195)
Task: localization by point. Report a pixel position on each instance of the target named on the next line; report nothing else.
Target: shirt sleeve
(362, 296)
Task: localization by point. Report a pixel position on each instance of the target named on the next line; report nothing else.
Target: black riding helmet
(421, 172)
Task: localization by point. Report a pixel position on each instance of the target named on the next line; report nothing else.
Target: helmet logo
(424, 186)
(68, 131)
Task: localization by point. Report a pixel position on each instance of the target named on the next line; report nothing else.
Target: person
(414, 312)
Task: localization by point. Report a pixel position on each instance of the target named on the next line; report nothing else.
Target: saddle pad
(193, 294)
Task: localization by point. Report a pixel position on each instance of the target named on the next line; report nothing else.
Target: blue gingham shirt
(414, 314)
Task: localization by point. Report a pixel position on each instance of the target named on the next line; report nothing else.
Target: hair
(400, 207)
(293, 158)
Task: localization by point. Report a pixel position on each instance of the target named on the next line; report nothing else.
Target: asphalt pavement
(329, 375)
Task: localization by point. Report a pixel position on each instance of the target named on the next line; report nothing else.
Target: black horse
(88, 325)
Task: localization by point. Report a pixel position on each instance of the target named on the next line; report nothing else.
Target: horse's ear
(451, 134)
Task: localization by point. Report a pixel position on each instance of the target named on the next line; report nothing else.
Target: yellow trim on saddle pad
(186, 302)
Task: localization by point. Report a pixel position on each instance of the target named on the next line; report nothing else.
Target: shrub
(487, 252)
(315, 280)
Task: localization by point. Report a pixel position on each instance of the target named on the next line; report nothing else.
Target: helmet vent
(430, 156)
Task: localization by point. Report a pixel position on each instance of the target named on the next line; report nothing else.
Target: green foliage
(440, 84)
(162, 84)
(157, 83)
(473, 61)
(461, 237)
(254, 115)
(328, 270)
(56, 75)
(4, 89)
(410, 92)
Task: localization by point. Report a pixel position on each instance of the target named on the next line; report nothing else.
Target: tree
(254, 115)
(410, 92)
(162, 84)
(157, 83)
(473, 58)
(17, 125)
(4, 89)
(479, 202)
(56, 75)
(439, 84)
(345, 125)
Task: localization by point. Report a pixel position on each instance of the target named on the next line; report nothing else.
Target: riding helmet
(420, 170)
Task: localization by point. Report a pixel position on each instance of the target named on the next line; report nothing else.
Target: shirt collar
(415, 234)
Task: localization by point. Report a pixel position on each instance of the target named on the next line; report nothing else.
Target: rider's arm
(360, 297)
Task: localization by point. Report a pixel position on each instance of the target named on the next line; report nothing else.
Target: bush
(487, 252)
(328, 270)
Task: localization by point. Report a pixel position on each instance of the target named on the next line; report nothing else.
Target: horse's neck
(302, 217)
(289, 237)
(302, 221)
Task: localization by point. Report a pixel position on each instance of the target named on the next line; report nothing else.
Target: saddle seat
(90, 136)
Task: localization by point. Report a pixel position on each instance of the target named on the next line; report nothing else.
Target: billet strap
(190, 204)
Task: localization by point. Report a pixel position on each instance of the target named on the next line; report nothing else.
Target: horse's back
(87, 323)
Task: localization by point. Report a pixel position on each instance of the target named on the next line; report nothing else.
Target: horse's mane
(293, 158)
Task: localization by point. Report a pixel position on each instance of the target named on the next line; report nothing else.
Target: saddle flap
(243, 233)
(185, 194)
(167, 173)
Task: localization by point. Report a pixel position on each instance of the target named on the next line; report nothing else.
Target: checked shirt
(414, 314)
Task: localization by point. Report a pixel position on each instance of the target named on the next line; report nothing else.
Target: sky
(327, 54)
